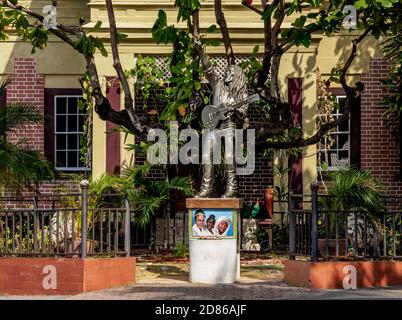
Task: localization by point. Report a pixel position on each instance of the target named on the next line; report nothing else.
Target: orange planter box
(332, 275)
(63, 276)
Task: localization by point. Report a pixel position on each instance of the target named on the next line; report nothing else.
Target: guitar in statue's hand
(227, 111)
(211, 115)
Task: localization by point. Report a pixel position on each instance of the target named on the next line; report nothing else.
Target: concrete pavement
(178, 288)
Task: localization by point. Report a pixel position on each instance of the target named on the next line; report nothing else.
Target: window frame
(336, 133)
(55, 132)
(50, 127)
(354, 130)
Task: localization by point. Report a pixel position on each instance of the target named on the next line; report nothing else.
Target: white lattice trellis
(219, 62)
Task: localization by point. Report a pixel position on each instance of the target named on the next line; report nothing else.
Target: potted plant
(349, 190)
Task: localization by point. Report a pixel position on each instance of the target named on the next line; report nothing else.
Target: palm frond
(356, 189)
(146, 205)
(107, 183)
(131, 170)
(17, 114)
(19, 165)
(4, 85)
(183, 184)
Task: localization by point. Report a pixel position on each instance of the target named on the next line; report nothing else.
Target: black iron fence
(52, 226)
(320, 230)
(305, 225)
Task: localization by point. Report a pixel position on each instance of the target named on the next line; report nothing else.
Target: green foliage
(181, 250)
(88, 45)
(186, 8)
(186, 71)
(87, 105)
(37, 36)
(149, 80)
(18, 164)
(149, 195)
(23, 238)
(353, 189)
(253, 65)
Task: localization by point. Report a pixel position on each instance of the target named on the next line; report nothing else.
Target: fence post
(127, 229)
(314, 214)
(84, 184)
(35, 225)
(292, 226)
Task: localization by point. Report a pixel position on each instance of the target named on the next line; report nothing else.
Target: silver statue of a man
(230, 91)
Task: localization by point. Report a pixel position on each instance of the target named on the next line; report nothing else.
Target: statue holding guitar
(228, 111)
(211, 115)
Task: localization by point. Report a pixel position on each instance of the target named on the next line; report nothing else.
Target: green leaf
(175, 69)
(103, 51)
(385, 3)
(306, 41)
(360, 4)
(299, 22)
(267, 13)
(312, 15)
(214, 43)
(197, 85)
(256, 49)
(121, 36)
(97, 26)
(162, 18)
(212, 28)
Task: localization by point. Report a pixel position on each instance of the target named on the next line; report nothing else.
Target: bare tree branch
(220, 19)
(128, 99)
(103, 107)
(250, 6)
(266, 63)
(353, 54)
(300, 142)
(206, 63)
(278, 23)
(351, 96)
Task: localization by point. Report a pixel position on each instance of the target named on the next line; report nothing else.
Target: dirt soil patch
(258, 266)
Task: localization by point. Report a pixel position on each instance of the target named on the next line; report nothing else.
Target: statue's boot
(231, 184)
(206, 190)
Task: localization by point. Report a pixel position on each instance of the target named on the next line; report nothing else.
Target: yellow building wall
(136, 19)
(62, 66)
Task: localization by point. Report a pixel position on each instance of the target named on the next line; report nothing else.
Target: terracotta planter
(269, 201)
(331, 247)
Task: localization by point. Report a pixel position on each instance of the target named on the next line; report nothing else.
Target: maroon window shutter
(113, 137)
(295, 86)
(355, 131)
(49, 125)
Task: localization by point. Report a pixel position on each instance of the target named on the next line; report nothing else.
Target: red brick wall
(379, 152)
(330, 275)
(252, 186)
(27, 86)
(30, 276)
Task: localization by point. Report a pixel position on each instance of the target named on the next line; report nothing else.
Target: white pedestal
(214, 261)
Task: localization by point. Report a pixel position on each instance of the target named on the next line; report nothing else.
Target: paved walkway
(178, 288)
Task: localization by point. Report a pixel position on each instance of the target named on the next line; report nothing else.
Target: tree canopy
(375, 18)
